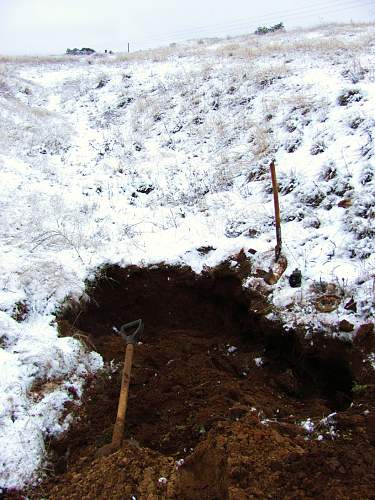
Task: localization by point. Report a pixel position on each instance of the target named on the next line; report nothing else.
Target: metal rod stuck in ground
(275, 190)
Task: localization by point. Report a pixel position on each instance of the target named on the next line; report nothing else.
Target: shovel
(118, 430)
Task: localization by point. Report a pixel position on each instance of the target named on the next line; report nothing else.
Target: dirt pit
(223, 404)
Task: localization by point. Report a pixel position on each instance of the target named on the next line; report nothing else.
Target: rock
(327, 303)
(346, 326)
(295, 279)
(277, 271)
(102, 83)
(125, 102)
(351, 305)
(205, 249)
(345, 203)
(145, 188)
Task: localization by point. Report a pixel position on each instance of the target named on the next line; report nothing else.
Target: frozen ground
(146, 158)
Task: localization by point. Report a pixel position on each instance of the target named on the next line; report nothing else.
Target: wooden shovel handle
(118, 431)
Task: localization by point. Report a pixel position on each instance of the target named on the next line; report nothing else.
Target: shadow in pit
(322, 365)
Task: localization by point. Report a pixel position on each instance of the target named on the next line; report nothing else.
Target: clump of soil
(218, 396)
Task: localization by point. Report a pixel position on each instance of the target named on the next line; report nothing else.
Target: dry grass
(4, 59)
(237, 50)
(331, 40)
(268, 74)
(262, 142)
(156, 55)
(304, 103)
(283, 47)
(162, 54)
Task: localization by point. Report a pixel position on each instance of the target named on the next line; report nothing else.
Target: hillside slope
(149, 157)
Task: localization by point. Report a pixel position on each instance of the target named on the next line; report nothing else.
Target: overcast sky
(51, 26)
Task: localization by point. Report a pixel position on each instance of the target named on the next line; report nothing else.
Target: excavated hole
(196, 364)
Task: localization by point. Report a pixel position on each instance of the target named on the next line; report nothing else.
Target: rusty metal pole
(275, 191)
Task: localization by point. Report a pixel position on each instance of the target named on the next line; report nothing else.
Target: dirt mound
(223, 404)
(236, 460)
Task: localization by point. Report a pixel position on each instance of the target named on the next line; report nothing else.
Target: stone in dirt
(346, 326)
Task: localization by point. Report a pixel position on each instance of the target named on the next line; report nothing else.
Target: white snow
(258, 362)
(169, 155)
(231, 349)
(308, 425)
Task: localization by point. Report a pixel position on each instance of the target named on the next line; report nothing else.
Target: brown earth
(204, 421)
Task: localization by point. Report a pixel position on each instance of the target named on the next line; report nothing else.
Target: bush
(85, 51)
(262, 30)
(349, 96)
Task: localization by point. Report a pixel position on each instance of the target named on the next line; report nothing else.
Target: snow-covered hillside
(146, 158)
